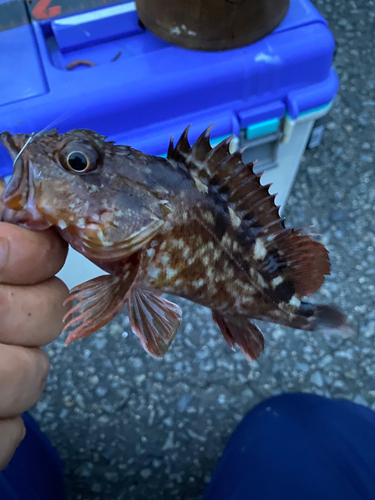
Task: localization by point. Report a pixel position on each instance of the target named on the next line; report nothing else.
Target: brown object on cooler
(211, 25)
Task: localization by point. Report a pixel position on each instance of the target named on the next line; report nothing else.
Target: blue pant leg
(299, 447)
(35, 471)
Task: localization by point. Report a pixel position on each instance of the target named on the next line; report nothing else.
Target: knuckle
(34, 364)
(54, 249)
(43, 369)
(6, 296)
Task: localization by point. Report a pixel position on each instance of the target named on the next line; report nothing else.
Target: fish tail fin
(330, 320)
(243, 332)
(322, 318)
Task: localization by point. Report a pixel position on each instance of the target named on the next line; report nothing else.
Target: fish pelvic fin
(99, 300)
(154, 319)
(243, 332)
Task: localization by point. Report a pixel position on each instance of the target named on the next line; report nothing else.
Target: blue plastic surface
(21, 74)
(143, 90)
(82, 30)
(262, 128)
(258, 114)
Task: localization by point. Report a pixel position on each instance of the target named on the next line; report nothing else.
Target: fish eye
(78, 161)
(79, 156)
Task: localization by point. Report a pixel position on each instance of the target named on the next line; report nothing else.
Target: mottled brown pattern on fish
(198, 224)
(200, 263)
(188, 265)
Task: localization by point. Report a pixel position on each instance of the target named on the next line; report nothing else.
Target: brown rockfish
(197, 224)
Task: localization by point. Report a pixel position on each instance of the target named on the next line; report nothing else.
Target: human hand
(31, 313)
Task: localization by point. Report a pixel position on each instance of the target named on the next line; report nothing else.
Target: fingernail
(4, 252)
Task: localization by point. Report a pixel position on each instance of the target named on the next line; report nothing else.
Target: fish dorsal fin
(227, 174)
(295, 262)
(196, 157)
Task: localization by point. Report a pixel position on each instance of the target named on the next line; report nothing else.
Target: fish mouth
(16, 193)
(11, 144)
(19, 194)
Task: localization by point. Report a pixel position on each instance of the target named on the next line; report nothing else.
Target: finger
(28, 257)
(23, 374)
(12, 431)
(32, 316)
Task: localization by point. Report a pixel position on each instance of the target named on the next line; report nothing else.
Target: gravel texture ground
(130, 427)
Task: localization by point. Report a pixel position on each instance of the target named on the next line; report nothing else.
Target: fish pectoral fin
(154, 319)
(99, 301)
(242, 332)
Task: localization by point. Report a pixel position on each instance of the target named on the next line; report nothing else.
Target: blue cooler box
(101, 69)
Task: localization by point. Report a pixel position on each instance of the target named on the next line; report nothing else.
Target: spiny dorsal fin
(201, 156)
(226, 173)
(182, 149)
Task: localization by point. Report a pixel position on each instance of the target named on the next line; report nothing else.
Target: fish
(197, 224)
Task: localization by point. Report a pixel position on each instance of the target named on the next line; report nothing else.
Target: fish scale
(198, 224)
